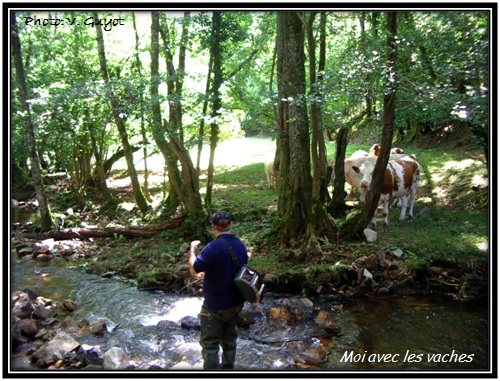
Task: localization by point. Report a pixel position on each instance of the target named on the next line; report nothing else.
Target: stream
(404, 333)
(412, 333)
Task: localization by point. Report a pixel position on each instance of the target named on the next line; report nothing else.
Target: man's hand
(194, 245)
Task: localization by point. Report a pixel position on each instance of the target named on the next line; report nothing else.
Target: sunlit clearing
(479, 181)
(220, 186)
(425, 200)
(128, 206)
(463, 164)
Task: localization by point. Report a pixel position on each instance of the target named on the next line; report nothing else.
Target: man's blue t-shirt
(219, 289)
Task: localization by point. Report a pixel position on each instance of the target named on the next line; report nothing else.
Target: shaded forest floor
(444, 250)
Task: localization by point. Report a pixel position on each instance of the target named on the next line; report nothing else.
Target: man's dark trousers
(218, 328)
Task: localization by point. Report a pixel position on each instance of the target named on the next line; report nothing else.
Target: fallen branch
(129, 232)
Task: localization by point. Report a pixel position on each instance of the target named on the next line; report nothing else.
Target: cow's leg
(387, 202)
(404, 206)
(374, 218)
(413, 196)
(382, 199)
(396, 203)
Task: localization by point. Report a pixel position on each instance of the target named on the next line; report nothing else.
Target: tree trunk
(174, 196)
(85, 157)
(295, 194)
(108, 164)
(138, 65)
(138, 195)
(337, 205)
(216, 103)
(201, 131)
(75, 172)
(373, 196)
(191, 190)
(368, 89)
(190, 185)
(36, 170)
(318, 147)
(99, 165)
(175, 78)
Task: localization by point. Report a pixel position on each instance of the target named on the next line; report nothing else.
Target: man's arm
(192, 257)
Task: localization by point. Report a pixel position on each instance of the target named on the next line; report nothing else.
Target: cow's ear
(355, 168)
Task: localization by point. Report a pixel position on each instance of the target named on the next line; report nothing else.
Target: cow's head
(366, 173)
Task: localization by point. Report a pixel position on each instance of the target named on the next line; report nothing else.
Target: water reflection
(430, 328)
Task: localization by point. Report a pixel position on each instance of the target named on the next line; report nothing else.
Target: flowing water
(146, 325)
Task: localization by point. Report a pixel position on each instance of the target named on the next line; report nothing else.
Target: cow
(347, 164)
(400, 181)
(270, 173)
(358, 153)
(352, 177)
(375, 149)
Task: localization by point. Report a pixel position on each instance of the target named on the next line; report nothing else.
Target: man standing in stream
(222, 300)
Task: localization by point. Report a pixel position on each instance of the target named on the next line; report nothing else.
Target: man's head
(221, 221)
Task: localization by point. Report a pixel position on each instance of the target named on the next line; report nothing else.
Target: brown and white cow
(400, 181)
(352, 177)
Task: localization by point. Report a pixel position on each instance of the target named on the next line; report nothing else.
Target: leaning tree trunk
(373, 196)
(191, 192)
(36, 170)
(141, 201)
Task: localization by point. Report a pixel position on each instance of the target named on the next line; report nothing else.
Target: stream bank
(308, 272)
